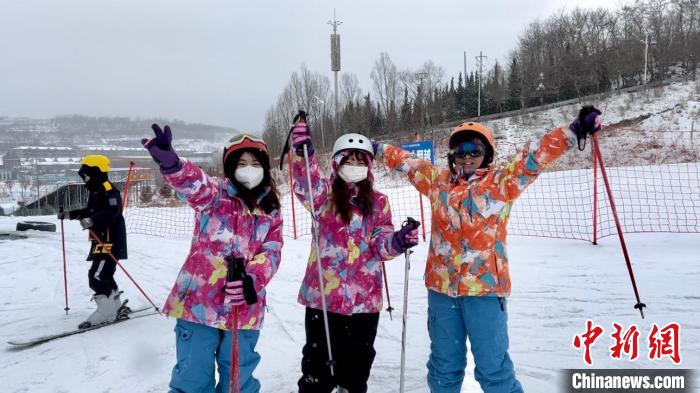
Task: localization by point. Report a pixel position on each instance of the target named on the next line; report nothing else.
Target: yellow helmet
(96, 160)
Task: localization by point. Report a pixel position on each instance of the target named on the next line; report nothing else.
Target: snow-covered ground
(557, 285)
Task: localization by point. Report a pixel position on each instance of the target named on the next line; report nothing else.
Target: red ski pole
(640, 306)
(65, 274)
(126, 185)
(97, 239)
(234, 378)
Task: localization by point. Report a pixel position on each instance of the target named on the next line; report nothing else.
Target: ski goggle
(469, 149)
(244, 142)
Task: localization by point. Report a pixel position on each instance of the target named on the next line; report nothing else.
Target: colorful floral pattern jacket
(223, 226)
(351, 254)
(467, 255)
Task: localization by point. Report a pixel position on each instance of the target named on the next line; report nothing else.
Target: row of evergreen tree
(568, 55)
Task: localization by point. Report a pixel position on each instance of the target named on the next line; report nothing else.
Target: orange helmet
(469, 130)
(473, 128)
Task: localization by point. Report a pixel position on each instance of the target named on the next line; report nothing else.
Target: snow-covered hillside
(643, 127)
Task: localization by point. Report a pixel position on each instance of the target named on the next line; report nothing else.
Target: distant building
(51, 164)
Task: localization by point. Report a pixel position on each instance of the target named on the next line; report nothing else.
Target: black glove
(236, 272)
(69, 215)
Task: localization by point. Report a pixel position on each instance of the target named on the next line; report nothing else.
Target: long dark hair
(342, 196)
(269, 202)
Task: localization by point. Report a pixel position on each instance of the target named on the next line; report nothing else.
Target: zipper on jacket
(495, 264)
(469, 201)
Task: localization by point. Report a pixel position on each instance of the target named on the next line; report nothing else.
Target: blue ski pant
(484, 320)
(200, 346)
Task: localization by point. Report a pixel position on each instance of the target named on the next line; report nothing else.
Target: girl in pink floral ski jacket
(235, 217)
(355, 236)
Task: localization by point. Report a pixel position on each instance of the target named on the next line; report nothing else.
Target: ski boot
(106, 312)
(123, 310)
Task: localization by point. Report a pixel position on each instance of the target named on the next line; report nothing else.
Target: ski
(137, 313)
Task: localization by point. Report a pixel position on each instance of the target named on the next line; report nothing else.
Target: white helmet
(353, 141)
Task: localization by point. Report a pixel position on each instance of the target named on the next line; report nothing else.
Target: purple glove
(587, 122)
(375, 147)
(234, 293)
(406, 237)
(301, 135)
(161, 150)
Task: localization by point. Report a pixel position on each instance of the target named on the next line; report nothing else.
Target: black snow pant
(352, 344)
(101, 276)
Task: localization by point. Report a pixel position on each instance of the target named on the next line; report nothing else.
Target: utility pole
(421, 76)
(464, 79)
(36, 181)
(646, 54)
(480, 59)
(335, 61)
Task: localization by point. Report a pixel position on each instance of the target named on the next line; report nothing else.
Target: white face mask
(352, 173)
(249, 176)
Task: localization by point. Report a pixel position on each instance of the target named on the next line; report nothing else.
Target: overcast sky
(224, 62)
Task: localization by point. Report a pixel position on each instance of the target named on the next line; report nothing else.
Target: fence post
(291, 196)
(595, 197)
(126, 185)
(422, 215)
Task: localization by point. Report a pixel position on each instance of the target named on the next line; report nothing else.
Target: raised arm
(421, 173)
(199, 189)
(302, 137)
(533, 158)
(186, 178)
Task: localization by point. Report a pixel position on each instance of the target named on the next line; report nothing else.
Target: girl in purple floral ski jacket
(355, 236)
(236, 218)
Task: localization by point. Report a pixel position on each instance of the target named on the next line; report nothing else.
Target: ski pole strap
(580, 138)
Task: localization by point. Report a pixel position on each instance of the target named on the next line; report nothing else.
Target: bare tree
(350, 90)
(385, 80)
(303, 91)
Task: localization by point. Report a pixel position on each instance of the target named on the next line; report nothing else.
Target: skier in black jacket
(103, 216)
